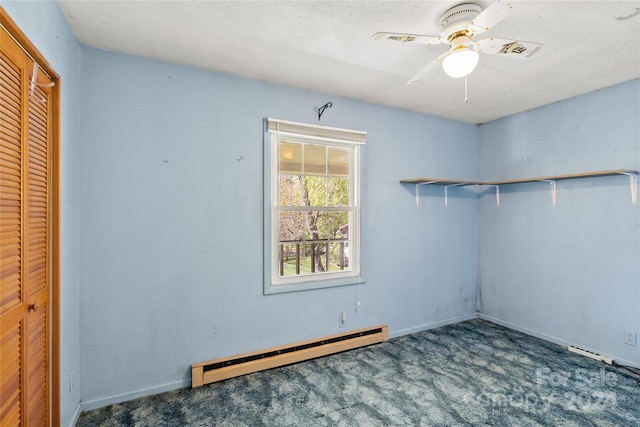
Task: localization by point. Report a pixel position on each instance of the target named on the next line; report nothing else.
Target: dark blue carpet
(472, 373)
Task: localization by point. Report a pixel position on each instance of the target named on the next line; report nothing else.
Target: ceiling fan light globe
(460, 63)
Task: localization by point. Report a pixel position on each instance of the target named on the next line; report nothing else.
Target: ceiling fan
(458, 27)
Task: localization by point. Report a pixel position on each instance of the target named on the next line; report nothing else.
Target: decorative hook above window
(324, 107)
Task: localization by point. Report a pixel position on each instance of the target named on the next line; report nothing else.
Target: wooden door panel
(25, 241)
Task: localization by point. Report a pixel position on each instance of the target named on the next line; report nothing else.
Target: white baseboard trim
(427, 326)
(76, 415)
(551, 338)
(87, 405)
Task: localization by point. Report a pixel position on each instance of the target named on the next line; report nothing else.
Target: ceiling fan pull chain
(466, 97)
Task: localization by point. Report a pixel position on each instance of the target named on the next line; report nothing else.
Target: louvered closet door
(24, 240)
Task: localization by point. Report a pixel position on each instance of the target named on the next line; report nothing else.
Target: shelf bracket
(633, 185)
(446, 193)
(418, 191)
(553, 190)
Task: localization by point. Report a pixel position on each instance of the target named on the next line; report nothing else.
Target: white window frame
(277, 130)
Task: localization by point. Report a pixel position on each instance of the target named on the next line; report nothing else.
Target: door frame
(54, 243)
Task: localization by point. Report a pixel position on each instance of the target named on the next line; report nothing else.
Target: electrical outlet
(630, 338)
(342, 319)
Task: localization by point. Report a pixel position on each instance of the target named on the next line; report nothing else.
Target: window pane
(305, 259)
(315, 191)
(338, 162)
(316, 257)
(339, 225)
(290, 190)
(317, 225)
(289, 259)
(338, 192)
(339, 256)
(291, 226)
(290, 158)
(315, 160)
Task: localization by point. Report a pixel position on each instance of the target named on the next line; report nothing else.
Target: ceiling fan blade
(507, 47)
(409, 38)
(496, 12)
(421, 76)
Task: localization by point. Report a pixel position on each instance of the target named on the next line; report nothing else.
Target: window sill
(271, 289)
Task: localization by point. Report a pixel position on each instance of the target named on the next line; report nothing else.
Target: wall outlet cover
(630, 338)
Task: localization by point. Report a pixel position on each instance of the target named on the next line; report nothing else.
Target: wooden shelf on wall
(446, 183)
(439, 181)
(612, 172)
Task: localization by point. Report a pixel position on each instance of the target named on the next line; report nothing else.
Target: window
(312, 218)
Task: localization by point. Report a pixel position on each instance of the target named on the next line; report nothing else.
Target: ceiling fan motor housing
(456, 21)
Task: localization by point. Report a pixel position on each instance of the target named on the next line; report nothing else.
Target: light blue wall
(46, 27)
(171, 223)
(570, 273)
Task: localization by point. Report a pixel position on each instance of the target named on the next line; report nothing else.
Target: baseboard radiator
(234, 366)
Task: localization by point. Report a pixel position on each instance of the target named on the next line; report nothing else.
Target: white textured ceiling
(326, 46)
